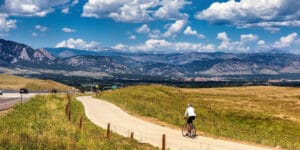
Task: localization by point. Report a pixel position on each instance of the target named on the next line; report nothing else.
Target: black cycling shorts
(190, 119)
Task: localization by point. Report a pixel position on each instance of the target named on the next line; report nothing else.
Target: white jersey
(190, 112)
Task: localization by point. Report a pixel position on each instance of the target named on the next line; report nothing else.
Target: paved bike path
(102, 112)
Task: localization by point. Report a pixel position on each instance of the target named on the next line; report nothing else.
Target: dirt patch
(6, 111)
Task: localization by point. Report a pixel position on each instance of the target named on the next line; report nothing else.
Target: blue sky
(154, 25)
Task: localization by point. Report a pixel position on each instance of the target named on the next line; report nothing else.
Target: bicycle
(185, 132)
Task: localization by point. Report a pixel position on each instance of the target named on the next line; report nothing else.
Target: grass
(10, 82)
(42, 124)
(260, 114)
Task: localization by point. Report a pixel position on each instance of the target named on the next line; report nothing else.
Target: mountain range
(16, 58)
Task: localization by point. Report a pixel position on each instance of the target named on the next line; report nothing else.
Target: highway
(8, 100)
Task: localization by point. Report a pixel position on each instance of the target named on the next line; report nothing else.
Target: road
(8, 100)
(102, 112)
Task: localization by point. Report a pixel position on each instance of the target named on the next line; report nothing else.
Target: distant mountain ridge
(109, 62)
(64, 52)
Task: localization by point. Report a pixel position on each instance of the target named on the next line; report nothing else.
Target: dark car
(24, 91)
(1, 92)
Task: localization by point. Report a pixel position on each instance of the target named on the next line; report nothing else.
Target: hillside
(10, 82)
(262, 115)
(42, 124)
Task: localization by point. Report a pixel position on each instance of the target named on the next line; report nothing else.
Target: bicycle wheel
(184, 131)
(193, 131)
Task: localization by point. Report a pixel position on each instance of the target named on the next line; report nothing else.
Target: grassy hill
(258, 114)
(10, 82)
(42, 124)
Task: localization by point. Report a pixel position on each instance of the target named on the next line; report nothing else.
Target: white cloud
(143, 29)
(161, 45)
(286, 41)
(134, 10)
(75, 2)
(254, 13)
(261, 43)
(248, 38)
(190, 31)
(132, 37)
(68, 30)
(65, 10)
(175, 28)
(119, 46)
(31, 7)
(171, 9)
(79, 44)
(41, 28)
(235, 46)
(6, 24)
(272, 29)
(131, 12)
(225, 40)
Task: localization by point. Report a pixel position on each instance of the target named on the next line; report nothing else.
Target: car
(23, 91)
(1, 92)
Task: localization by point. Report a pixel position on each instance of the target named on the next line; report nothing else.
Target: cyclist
(190, 113)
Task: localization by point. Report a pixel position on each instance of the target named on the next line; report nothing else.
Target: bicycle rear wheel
(193, 131)
(184, 131)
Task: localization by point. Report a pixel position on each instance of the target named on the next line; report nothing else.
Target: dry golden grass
(10, 82)
(282, 102)
(259, 114)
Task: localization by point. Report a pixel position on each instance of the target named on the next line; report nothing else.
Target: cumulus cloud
(236, 46)
(41, 28)
(190, 31)
(161, 45)
(175, 28)
(38, 8)
(68, 30)
(143, 29)
(119, 46)
(261, 43)
(225, 40)
(79, 44)
(171, 9)
(134, 10)
(248, 37)
(286, 41)
(6, 24)
(253, 13)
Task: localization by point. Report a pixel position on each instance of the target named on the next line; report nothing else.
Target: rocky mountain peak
(42, 54)
(24, 55)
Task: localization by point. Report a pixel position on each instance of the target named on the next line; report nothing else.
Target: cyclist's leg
(188, 126)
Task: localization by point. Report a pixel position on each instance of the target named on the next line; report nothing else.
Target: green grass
(262, 115)
(42, 124)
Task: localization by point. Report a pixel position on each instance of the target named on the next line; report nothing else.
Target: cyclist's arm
(186, 113)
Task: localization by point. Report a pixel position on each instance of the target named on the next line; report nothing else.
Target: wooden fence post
(131, 135)
(163, 142)
(80, 122)
(108, 131)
